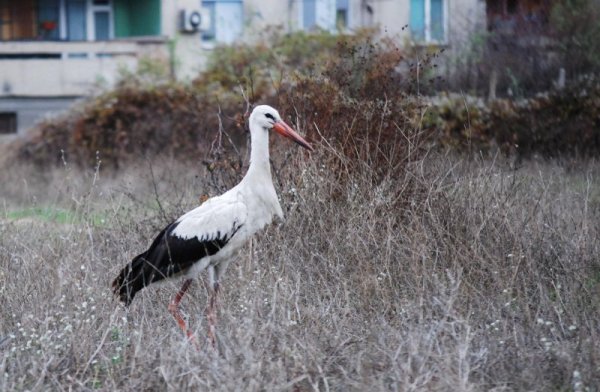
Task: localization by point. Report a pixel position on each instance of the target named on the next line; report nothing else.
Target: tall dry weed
(487, 278)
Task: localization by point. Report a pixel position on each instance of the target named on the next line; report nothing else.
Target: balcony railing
(56, 68)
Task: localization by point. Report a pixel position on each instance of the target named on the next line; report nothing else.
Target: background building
(55, 51)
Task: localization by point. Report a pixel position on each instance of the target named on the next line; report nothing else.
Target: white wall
(189, 54)
(67, 76)
(262, 13)
(388, 15)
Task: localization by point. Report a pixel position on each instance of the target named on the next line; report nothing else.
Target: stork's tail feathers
(131, 279)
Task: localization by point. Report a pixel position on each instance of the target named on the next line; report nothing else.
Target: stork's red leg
(211, 315)
(174, 310)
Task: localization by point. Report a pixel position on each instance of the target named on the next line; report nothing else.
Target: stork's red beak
(285, 130)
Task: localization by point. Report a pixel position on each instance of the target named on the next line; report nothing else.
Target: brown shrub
(563, 122)
(128, 123)
(344, 90)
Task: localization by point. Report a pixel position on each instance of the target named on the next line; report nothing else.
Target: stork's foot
(211, 316)
(212, 328)
(174, 310)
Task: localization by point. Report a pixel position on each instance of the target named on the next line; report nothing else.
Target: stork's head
(267, 118)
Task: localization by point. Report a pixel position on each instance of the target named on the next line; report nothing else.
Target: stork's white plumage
(208, 237)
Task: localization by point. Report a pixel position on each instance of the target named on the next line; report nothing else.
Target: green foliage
(44, 214)
(262, 68)
(149, 72)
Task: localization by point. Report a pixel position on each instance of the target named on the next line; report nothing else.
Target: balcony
(56, 68)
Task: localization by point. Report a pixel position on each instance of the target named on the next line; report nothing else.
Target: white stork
(208, 236)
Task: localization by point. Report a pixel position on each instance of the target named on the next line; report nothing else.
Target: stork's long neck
(260, 165)
(258, 180)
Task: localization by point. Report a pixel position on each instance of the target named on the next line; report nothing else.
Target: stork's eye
(270, 116)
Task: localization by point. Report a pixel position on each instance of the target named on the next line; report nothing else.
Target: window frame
(330, 8)
(342, 6)
(87, 16)
(427, 33)
(91, 21)
(211, 37)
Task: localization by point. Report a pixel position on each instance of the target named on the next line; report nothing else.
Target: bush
(562, 122)
(129, 122)
(344, 89)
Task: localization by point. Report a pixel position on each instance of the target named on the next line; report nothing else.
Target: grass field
(482, 277)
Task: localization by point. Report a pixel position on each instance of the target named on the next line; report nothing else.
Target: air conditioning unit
(191, 21)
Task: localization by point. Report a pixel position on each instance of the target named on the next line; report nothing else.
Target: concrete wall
(75, 76)
(36, 88)
(70, 74)
(32, 110)
(261, 14)
(190, 56)
(463, 17)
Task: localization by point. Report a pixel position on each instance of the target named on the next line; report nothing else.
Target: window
(341, 14)
(76, 20)
(331, 15)
(210, 34)
(49, 19)
(101, 15)
(226, 20)
(71, 20)
(8, 122)
(17, 20)
(309, 14)
(428, 20)
(101, 25)
(137, 18)
(517, 16)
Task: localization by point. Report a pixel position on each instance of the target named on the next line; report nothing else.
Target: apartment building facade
(54, 51)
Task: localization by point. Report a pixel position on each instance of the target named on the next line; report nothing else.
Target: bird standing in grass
(207, 237)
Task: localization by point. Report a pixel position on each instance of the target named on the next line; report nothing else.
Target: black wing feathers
(168, 255)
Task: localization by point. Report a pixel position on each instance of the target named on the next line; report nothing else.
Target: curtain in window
(18, 20)
(210, 34)
(227, 18)
(134, 18)
(309, 14)
(437, 20)
(417, 20)
(76, 15)
(102, 25)
(229, 21)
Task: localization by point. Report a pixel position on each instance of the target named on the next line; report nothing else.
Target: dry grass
(488, 279)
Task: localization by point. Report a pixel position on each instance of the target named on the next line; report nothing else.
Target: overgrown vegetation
(400, 266)
(345, 91)
(352, 91)
(527, 50)
(575, 24)
(560, 123)
(487, 278)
